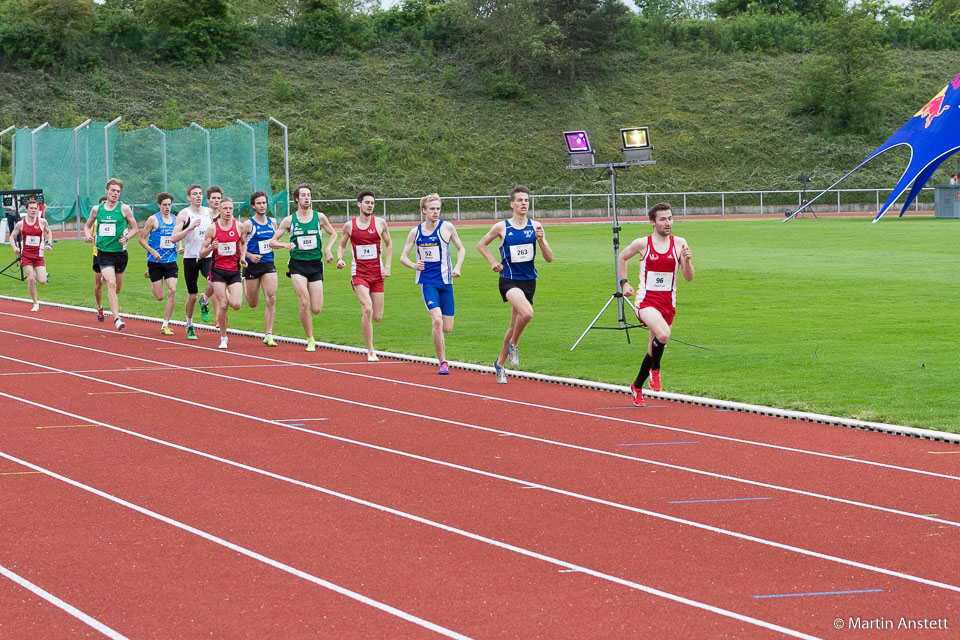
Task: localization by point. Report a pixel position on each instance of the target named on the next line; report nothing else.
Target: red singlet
(366, 251)
(658, 280)
(31, 243)
(227, 256)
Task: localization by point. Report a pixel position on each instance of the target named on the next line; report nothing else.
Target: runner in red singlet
(226, 241)
(662, 256)
(370, 265)
(36, 235)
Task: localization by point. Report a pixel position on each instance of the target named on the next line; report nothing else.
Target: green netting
(148, 161)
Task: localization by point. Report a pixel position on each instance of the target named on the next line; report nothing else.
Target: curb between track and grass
(893, 429)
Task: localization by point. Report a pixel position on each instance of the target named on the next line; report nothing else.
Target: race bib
(32, 241)
(227, 249)
(366, 252)
(306, 243)
(521, 252)
(430, 254)
(201, 233)
(263, 246)
(659, 280)
(107, 229)
(166, 243)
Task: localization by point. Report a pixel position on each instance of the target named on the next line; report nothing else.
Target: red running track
(158, 488)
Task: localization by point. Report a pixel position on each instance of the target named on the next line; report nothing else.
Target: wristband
(623, 281)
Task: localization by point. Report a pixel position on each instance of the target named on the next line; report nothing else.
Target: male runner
(260, 272)
(225, 240)
(191, 227)
(305, 267)
(162, 269)
(435, 272)
(214, 196)
(30, 236)
(519, 238)
(661, 255)
(115, 226)
(370, 264)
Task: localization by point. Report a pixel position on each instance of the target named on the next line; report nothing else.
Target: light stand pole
(610, 169)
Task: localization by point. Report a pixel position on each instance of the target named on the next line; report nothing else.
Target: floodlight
(578, 146)
(636, 144)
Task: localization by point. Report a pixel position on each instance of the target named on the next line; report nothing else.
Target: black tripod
(804, 180)
(622, 324)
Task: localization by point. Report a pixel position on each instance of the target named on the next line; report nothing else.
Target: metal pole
(761, 203)
(207, 134)
(106, 142)
(253, 145)
(163, 147)
(33, 150)
(286, 160)
(76, 167)
(723, 209)
(3, 133)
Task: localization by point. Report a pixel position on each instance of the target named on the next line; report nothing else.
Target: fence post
(458, 209)
(571, 207)
(495, 207)
(761, 203)
(878, 199)
(723, 206)
(684, 204)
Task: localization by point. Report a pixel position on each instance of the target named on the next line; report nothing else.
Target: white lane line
(366, 503)
(488, 474)
(359, 597)
(597, 416)
(499, 432)
(60, 604)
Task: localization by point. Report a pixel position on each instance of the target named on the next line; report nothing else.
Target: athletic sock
(189, 321)
(657, 348)
(203, 298)
(644, 372)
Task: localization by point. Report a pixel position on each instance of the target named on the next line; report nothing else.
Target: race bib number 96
(366, 252)
(521, 252)
(659, 280)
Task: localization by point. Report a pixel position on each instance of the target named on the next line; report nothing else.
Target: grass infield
(834, 316)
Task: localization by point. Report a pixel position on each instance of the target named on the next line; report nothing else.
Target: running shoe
(269, 341)
(216, 325)
(444, 369)
(146, 274)
(372, 357)
(100, 314)
(311, 344)
(191, 334)
(166, 331)
(637, 396)
(223, 343)
(119, 323)
(204, 309)
(655, 380)
(501, 373)
(35, 307)
(513, 356)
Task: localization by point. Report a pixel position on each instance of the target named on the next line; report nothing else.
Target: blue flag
(932, 134)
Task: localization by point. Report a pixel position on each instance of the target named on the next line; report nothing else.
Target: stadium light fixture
(578, 146)
(636, 144)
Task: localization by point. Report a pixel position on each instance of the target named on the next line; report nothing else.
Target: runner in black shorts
(528, 287)
(225, 239)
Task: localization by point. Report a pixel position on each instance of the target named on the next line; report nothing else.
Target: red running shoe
(100, 314)
(655, 380)
(637, 396)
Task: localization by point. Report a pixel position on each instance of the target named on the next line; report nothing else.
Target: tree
(584, 27)
(192, 32)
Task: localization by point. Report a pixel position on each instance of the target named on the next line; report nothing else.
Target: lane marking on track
(717, 500)
(504, 400)
(18, 473)
(301, 420)
(499, 432)
(108, 393)
(396, 512)
(65, 426)
(359, 597)
(819, 593)
(941, 453)
(479, 472)
(648, 444)
(60, 604)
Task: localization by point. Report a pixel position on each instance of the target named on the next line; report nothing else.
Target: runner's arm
(405, 254)
(545, 249)
(387, 248)
(209, 241)
(332, 232)
(47, 232)
(686, 267)
(496, 231)
(14, 235)
(623, 271)
(461, 252)
(342, 247)
(282, 228)
(88, 225)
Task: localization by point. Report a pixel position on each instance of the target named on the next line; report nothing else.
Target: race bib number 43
(521, 252)
(659, 280)
(107, 229)
(366, 252)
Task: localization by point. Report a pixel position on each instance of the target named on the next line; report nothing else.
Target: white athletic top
(194, 240)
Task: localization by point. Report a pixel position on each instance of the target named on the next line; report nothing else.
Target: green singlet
(110, 226)
(307, 237)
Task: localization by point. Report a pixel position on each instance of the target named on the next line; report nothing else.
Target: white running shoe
(501, 373)
(119, 323)
(35, 307)
(513, 356)
(223, 343)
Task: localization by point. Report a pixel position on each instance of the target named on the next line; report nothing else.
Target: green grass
(835, 316)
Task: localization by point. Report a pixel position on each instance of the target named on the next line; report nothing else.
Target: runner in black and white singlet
(519, 240)
(261, 272)
(662, 255)
(191, 227)
(435, 270)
